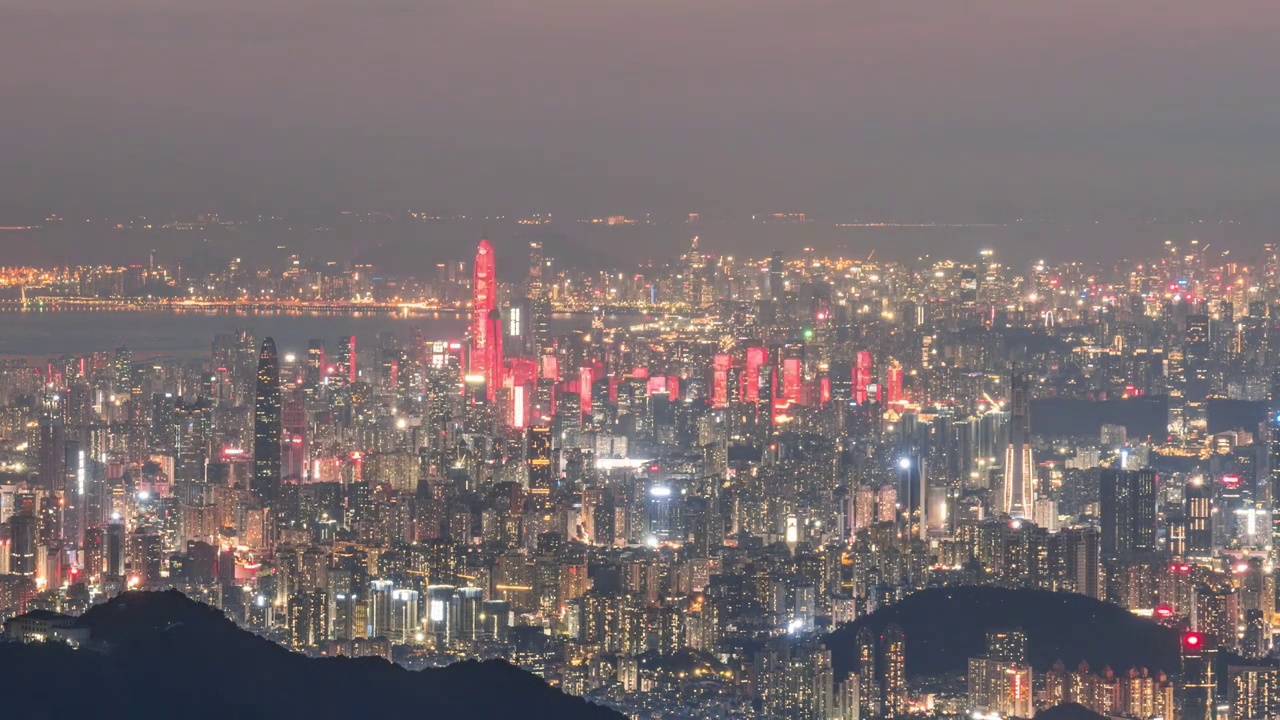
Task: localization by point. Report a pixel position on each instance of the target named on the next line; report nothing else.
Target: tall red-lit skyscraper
(861, 377)
(486, 336)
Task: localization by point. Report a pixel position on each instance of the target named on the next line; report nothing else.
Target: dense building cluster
(666, 511)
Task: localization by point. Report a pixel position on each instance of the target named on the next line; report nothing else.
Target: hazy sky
(898, 109)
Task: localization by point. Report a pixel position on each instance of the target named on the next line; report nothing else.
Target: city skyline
(667, 360)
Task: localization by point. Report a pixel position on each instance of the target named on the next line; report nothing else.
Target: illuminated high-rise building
(541, 475)
(1198, 682)
(721, 364)
(317, 362)
(893, 668)
(267, 427)
(868, 685)
(862, 377)
(1019, 469)
(1255, 692)
(486, 327)
(347, 358)
(1128, 513)
(1000, 681)
(22, 547)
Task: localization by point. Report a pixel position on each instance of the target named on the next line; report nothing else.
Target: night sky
(949, 110)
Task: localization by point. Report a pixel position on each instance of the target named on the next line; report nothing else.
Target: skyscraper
(868, 687)
(1019, 470)
(539, 459)
(893, 666)
(1128, 509)
(266, 426)
(486, 327)
(1198, 683)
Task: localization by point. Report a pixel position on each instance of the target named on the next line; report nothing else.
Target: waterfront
(38, 334)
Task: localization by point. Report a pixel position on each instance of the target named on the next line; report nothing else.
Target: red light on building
(1163, 612)
(720, 381)
(1192, 640)
(584, 390)
(861, 377)
(673, 387)
(550, 368)
(1231, 481)
(894, 381)
(792, 376)
(486, 335)
(1181, 568)
(756, 358)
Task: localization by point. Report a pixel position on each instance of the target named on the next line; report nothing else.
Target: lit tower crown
(486, 338)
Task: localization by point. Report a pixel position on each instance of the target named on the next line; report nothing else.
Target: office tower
(22, 544)
(317, 362)
(538, 457)
(52, 453)
(267, 428)
(862, 377)
(539, 305)
(347, 359)
(115, 550)
(721, 364)
(893, 383)
(1196, 370)
(73, 493)
(1198, 683)
(1128, 509)
(757, 357)
(1199, 514)
(773, 281)
(486, 330)
(1019, 470)
(95, 558)
(894, 671)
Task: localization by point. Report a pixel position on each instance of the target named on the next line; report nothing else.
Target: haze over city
(667, 360)
(911, 111)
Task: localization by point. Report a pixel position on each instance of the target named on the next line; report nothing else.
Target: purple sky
(900, 109)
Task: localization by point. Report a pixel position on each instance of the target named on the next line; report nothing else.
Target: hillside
(169, 656)
(946, 626)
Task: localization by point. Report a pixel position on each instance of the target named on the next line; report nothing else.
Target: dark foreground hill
(168, 656)
(944, 627)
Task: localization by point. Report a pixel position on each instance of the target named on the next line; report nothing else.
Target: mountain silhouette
(164, 655)
(944, 627)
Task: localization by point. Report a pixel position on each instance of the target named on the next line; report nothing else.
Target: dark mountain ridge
(944, 627)
(163, 654)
